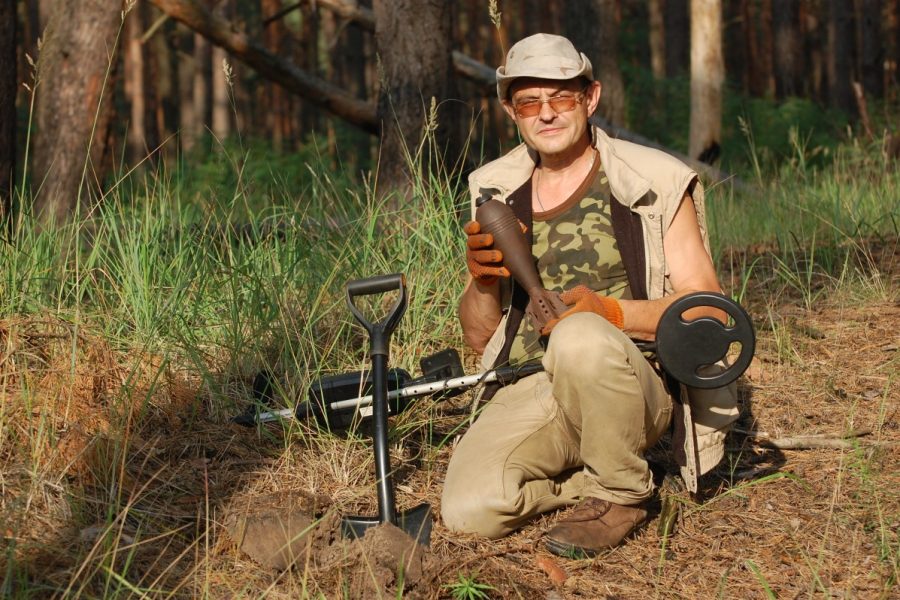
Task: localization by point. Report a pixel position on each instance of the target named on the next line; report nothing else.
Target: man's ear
(593, 93)
(508, 107)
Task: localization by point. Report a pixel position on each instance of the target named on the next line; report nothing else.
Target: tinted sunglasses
(559, 104)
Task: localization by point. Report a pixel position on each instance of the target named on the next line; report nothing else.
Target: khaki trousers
(578, 429)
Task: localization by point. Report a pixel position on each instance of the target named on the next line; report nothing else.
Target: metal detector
(683, 349)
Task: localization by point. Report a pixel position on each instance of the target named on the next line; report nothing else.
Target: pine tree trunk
(678, 29)
(593, 28)
(276, 115)
(892, 52)
(814, 44)
(201, 86)
(840, 55)
(657, 39)
(78, 45)
(755, 83)
(870, 49)
(766, 48)
(788, 48)
(186, 67)
(163, 72)
(349, 63)
(707, 78)
(8, 79)
(134, 85)
(309, 61)
(221, 109)
(415, 74)
(221, 113)
(736, 63)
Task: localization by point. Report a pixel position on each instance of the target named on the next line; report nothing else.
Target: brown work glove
(485, 263)
(582, 299)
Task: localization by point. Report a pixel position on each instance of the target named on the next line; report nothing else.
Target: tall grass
(179, 271)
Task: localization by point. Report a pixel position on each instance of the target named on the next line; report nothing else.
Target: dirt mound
(296, 530)
(385, 562)
(282, 530)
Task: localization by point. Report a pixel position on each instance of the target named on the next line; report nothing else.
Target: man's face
(549, 132)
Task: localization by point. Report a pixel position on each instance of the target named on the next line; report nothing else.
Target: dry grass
(116, 480)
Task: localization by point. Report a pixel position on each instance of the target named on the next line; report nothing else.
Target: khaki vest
(651, 184)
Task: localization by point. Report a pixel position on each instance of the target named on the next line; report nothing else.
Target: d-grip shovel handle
(379, 333)
(380, 339)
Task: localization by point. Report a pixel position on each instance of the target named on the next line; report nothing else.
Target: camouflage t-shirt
(575, 245)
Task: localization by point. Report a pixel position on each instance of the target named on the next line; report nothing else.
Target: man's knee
(471, 511)
(586, 341)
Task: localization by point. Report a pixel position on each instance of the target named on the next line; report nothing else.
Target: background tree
(839, 61)
(707, 78)
(677, 20)
(593, 27)
(412, 73)
(870, 49)
(787, 48)
(8, 81)
(73, 107)
(657, 38)
(134, 79)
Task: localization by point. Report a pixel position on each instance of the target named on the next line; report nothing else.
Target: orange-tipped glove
(582, 299)
(485, 263)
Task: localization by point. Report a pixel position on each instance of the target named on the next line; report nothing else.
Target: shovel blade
(416, 523)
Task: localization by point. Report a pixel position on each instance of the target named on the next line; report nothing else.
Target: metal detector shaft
(503, 375)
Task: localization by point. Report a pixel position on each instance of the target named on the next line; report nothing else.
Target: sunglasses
(559, 104)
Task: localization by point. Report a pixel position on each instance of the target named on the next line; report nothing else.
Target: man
(619, 230)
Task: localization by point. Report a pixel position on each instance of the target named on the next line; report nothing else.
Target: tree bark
(163, 72)
(892, 27)
(814, 54)
(756, 73)
(73, 109)
(187, 66)
(307, 57)
(593, 28)
(270, 66)
(840, 55)
(8, 79)
(766, 48)
(277, 114)
(414, 75)
(788, 48)
(657, 39)
(135, 93)
(678, 27)
(221, 109)
(736, 63)
(869, 46)
(707, 77)
(349, 59)
(201, 86)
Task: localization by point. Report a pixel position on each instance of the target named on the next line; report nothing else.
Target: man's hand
(582, 299)
(485, 263)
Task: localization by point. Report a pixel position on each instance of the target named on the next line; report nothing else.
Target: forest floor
(769, 522)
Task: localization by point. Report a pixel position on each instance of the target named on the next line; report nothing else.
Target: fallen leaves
(549, 566)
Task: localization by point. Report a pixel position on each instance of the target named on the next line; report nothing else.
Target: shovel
(417, 521)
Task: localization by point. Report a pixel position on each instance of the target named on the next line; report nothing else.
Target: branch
(352, 11)
(805, 441)
(365, 18)
(282, 13)
(271, 66)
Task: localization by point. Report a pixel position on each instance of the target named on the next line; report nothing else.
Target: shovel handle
(381, 331)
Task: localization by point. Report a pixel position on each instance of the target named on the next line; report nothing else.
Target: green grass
(240, 262)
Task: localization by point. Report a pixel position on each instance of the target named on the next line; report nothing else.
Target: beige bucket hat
(544, 56)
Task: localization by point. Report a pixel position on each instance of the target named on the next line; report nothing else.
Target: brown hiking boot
(593, 526)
